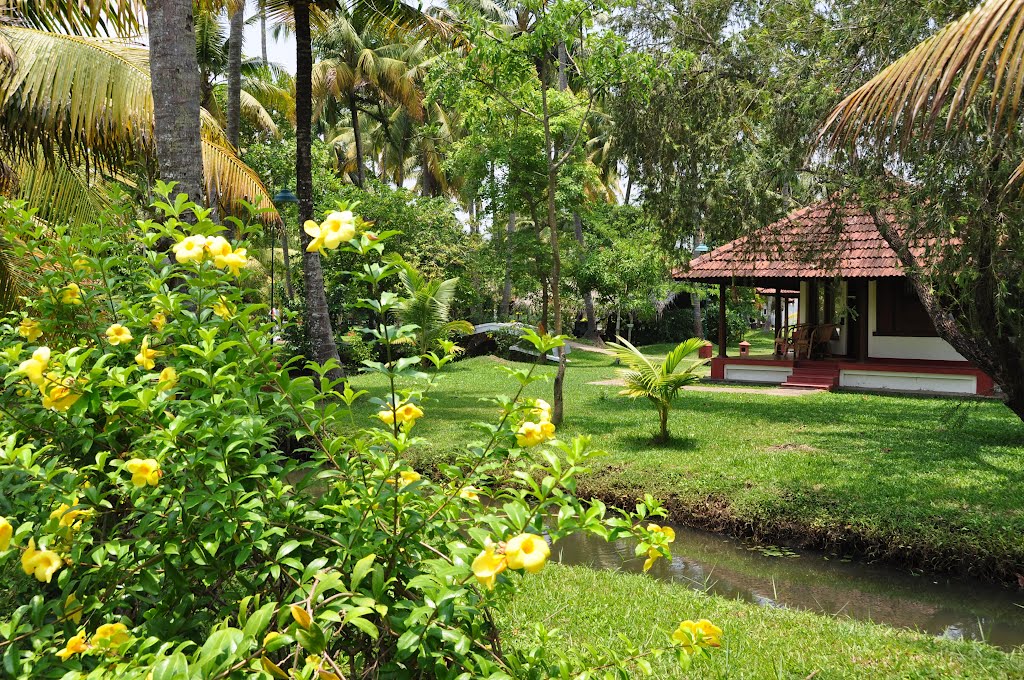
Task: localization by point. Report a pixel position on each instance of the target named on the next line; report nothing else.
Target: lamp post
(283, 197)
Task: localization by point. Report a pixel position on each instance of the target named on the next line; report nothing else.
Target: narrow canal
(777, 577)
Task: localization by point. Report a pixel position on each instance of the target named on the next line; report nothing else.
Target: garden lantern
(744, 349)
(283, 197)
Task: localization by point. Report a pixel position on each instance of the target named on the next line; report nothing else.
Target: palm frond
(948, 68)
(59, 192)
(229, 182)
(252, 110)
(97, 17)
(83, 98)
(88, 101)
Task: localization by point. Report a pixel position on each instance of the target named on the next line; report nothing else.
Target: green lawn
(902, 477)
(594, 607)
(931, 483)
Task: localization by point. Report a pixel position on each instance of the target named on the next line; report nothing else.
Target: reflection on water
(726, 567)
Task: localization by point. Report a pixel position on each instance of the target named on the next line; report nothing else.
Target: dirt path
(773, 391)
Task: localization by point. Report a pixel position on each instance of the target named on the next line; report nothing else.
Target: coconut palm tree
(172, 54)
(359, 66)
(657, 381)
(264, 87)
(88, 101)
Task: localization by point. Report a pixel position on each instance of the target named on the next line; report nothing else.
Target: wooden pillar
(721, 320)
(812, 302)
(778, 312)
(862, 320)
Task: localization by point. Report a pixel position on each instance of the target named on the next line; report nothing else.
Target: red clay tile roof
(822, 240)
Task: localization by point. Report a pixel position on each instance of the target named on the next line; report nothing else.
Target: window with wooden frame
(899, 311)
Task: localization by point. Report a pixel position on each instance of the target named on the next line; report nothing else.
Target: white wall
(909, 382)
(757, 374)
(894, 347)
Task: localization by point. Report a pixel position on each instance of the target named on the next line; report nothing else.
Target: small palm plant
(659, 382)
(428, 306)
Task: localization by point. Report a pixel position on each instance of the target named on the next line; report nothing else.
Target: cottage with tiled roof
(860, 325)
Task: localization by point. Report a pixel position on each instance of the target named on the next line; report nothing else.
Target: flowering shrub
(156, 529)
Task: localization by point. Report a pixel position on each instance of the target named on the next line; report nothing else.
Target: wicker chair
(801, 341)
(821, 343)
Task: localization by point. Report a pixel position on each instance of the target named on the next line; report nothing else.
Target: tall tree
(361, 66)
(318, 319)
(237, 23)
(176, 93)
(955, 225)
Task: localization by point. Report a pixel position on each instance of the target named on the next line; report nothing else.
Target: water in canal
(828, 585)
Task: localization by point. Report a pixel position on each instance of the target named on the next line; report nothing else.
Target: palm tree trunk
(263, 31)
(172, 54)
(663, 421)
(318, 320)
(234, 113)
(353, 107)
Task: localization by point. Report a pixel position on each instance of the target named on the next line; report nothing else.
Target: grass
(594, 607)
(761, 344)
(928, 483)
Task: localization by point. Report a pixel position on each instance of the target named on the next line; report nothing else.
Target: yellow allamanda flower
(527, 551)
(76, 645)
(488, 565)
(42, 564)
(337, 228)
(217, 246)
(469, 493)
(158, 321)
(531, 434)
(118, 335)
(233, 261)
(146, 356)
(405, 413)
(222, 308)
(542, 410)
(71, 294)
(407, 477)
(73, 609)
(6, 531)
(29, 329)
(111, 635)
(190, 249)
(144, 471)
(167, 380)
(69, 517)
(58, 393)
(692, 636)
(34, 367)
(653, 553)
(81, 264)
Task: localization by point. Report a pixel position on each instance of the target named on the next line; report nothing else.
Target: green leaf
(174, 667)
(260, 619)
(360, 571)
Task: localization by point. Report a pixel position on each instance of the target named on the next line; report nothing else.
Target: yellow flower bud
(6, 531)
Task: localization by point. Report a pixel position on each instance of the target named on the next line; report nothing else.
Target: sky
(282, 52)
